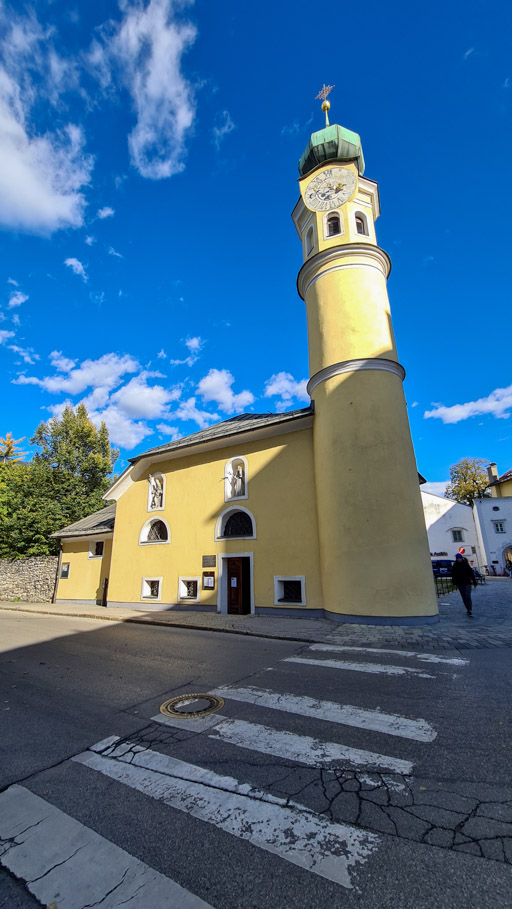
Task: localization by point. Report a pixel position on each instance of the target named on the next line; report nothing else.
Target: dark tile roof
(243, 422)
(99, 522)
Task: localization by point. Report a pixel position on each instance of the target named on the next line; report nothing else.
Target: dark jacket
(462, 573)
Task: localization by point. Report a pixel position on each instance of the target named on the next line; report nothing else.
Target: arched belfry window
(235, 523)
(333, 224)
(361, 224)
(310, 241)
(155, 492)
(155, 530)
(235, 479)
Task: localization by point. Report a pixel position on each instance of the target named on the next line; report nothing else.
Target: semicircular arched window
(155, 531)
(239, 524)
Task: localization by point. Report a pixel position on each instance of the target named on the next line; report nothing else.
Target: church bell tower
(375, 560)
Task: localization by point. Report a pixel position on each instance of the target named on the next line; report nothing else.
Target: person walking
(463, 577)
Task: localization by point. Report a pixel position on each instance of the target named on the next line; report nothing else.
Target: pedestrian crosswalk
(256, 720)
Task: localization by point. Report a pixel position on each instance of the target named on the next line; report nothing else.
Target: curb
(154, 621)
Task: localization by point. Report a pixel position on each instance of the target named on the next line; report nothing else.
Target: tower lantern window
(333, 225)
(361, 225)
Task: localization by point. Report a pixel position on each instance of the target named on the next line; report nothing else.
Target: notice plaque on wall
(209, 561)
(208, 580)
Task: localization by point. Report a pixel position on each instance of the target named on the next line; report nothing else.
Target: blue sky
(148, 166)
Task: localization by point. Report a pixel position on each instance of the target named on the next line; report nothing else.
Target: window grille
(157, 532)
(333, 225)
(154, 587)
(239, 524)
(292, 592)
(191, 590)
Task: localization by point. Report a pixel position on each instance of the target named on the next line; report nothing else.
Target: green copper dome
(331, 143)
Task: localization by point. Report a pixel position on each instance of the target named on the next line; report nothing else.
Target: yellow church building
(314, 512)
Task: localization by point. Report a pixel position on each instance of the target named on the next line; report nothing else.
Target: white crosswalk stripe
(330, 711)
(422, 657)
(349, 666)
(288, 830)
(67, 864)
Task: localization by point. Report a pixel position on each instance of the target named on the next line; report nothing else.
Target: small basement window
(151, 588)
(289, 591)
(96, 549)
(64, 570)
(188, 589)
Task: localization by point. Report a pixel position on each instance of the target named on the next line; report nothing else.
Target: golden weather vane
(322, 95)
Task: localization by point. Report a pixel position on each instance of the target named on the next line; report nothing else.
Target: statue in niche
(156, 492)
(238, 482)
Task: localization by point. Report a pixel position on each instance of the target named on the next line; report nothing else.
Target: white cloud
(77, 267)
(122, 430)
(283, 384)
(194, 345)
(41, 174)
(437, 488)
(90, 240)
(5, 335)
(161, 354)
(13, 282)
(105, 212)
(147, 47)
(27, 354)
(171, 431)
(498, 404)
(225, 127)
(414, 404)
(105, 372)
(16, 299)
(112, 252)
(216, 386)
(138, 399)
(61, 363)
(188, 411)
(15, 319)
(466, 54)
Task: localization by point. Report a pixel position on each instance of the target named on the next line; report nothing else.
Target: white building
(450, 527)
(493, 524)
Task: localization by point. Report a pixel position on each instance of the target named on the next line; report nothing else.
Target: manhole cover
(189, 706)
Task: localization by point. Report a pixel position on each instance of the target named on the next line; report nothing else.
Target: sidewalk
(490, 627)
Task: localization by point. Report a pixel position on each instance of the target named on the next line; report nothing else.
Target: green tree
(9, 450)
(64, 481)
(468, 481)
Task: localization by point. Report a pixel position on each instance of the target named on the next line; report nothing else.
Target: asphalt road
(329, 776)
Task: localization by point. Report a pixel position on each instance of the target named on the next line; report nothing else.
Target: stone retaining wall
(30, 580)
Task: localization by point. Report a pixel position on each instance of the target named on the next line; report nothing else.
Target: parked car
(442, 568)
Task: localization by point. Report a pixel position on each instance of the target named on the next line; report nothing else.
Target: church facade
(316, 511)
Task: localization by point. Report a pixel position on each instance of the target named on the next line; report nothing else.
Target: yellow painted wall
(281, 497)
(85, 574)
(503, 490)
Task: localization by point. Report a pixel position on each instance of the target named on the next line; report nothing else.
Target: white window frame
(145, 597)
(221, 523)
(143, 541)
(307, 252)
(326, 217)
(228, 470)
(364, 217)
(455, 530)
(183, 581)
(161, 508)
(502, 525)
(92, 547)
(278, 591)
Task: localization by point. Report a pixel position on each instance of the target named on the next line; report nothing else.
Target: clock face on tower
(330, 189)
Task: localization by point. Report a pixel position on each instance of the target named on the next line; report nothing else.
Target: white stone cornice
(332, 260)
(338, 369)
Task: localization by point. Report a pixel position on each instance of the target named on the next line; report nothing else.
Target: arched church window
(235, 522)
(155, 492)
(310, 241)
(235, 479)
(239, 524)
(333, 225)
(361, 224)
(155, 531)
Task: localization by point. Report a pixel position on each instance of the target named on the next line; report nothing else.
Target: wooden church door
(239, 592)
